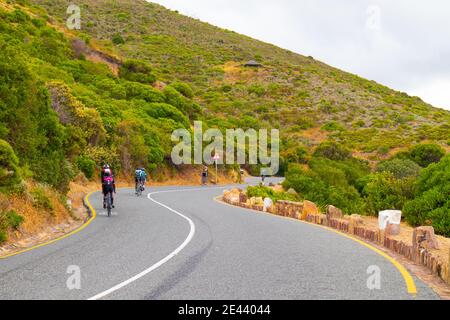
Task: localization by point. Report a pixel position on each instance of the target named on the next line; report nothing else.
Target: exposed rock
(232, 196)
(308, 208)
(392, 229)
(256, 201)
(424, 238)
(289, 209)
(242, 197)
(292, 191)
(334, 213)
(356, 219)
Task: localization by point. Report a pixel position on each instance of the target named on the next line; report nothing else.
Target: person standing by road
(204, 175)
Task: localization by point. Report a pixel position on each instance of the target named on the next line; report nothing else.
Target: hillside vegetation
(114, 91)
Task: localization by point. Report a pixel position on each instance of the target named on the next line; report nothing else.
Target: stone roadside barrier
(420, 251)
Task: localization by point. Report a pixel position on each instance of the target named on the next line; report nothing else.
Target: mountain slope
(114, 92)
(291, 92)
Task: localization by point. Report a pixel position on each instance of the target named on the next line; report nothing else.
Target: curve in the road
(222, 252)
(409, 281)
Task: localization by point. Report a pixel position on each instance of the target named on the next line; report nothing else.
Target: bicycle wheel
(109, 204)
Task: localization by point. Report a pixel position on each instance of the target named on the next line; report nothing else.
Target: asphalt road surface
(179, 243)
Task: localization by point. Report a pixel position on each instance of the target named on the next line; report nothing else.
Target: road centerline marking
(168, 257)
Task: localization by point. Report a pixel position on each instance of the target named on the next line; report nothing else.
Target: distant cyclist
(108, 184)
(140, 177)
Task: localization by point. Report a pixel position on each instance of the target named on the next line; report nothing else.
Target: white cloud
(403, 44)
(435, 92)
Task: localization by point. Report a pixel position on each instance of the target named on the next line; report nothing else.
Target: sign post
(216, 158)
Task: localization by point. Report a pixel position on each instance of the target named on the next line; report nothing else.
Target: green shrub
(40, 199)
(325, 184)
(266, 192)
(227, 88)
(8, 219)
(332, 151)
(257, 89)
(117, 39)
(14, 220)
(33, 129)
(163, 110)
(176, 99)
(9, 170)
(297, 155)
(432, 202)
(137, 71)
(183, 88)
(426, 154)
(384, 192)
(400, 168)
(18, 16)
(140, 91)
(86, 165)
(332, 126)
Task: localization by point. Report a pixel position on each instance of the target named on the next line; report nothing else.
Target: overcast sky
(404, 44)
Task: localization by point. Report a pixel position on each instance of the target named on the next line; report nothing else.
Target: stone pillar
(308, 208)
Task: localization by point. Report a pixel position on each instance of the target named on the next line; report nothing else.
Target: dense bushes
(385, 192)
(265, 192)
(332, 151)
(186, 106)
(86, 165)
(183, 88)
(426, 154)
(423, 154)
(400, 168)
(334, 177)
(432, 201)
(137, 71)
(28, 123)
(9, 167)
(61, 113)
(162, 110)
(329, 182)
(8, 219)
(135, 90)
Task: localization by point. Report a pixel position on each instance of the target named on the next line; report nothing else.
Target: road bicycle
(108, 201)
(140, 188)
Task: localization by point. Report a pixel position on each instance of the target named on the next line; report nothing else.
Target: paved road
(178, 243)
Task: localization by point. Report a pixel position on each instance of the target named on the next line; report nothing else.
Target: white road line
(170, 256)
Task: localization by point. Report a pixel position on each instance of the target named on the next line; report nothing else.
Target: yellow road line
(94, 215)
(410, 284)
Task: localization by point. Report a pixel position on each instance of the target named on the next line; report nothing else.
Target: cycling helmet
(106, 166)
